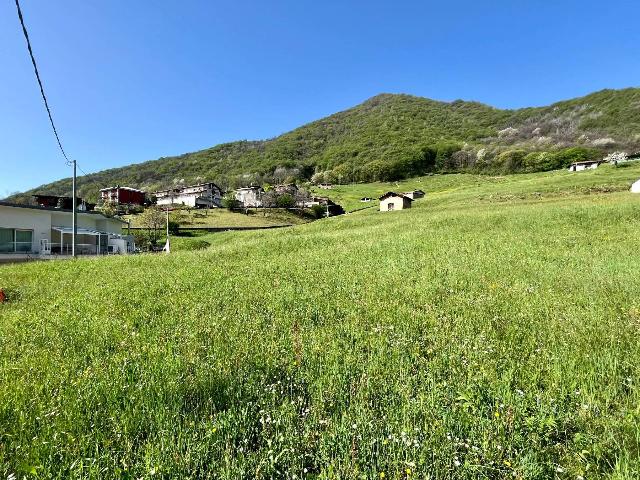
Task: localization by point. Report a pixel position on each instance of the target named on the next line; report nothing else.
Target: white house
(202, 195)
(635, 187)
(250, 196)
(27, 231)
(394, 201)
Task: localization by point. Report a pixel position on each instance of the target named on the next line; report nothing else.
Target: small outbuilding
(414, 194)
(394, 201)
(635, 187)
(587, 165)
(366, 199)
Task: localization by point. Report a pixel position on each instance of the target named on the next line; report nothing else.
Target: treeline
(452, 158)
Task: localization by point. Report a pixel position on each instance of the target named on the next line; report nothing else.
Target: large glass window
(14, 240)
(6, 240)
(24, 240)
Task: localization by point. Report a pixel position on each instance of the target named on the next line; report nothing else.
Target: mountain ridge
(391, 136)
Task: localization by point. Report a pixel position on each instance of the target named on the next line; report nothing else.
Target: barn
(394, 201)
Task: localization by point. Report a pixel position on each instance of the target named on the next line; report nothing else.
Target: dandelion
(507, 463)
(382, 475)
(497, 414)
(408, 471)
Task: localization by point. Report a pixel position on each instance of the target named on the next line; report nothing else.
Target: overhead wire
(35, 68)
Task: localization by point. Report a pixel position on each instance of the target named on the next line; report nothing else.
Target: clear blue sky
(130, 81)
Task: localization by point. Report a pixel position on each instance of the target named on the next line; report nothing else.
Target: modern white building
(202, 195)
(635, 187)
(34, 231)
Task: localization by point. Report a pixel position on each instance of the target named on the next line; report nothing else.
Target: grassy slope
(224, 218)
(492, 188)
(464, 338)
(383, 129)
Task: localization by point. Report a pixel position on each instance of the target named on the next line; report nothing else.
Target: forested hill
(391, 137)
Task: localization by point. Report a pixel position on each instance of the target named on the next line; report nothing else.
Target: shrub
(285, 201)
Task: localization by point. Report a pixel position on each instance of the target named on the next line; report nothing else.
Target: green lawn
(222, 218)
(491, 331)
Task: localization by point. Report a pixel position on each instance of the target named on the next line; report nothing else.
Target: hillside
(391, 137)
(491, 331)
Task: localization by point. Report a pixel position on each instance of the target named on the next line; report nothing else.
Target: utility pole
(74, 223)
(167, 247)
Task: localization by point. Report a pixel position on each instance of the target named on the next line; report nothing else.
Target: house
(635, 187)
(394, 201)
(123, 196)
(26, 231)
(57, 201)
(414, 194)
(250, 196)
(325, 186)
(287, 188)
(202, 195)
(586, 165)
(331, 208)
(366, 199)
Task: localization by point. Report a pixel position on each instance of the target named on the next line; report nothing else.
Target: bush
(510, 161)
(285, 201)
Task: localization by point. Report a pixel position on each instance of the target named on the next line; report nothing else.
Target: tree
(616, 157)
(230, 202)
(108, 209)
(285, 200)
(153, 219)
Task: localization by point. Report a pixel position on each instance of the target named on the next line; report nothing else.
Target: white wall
(41, 221)
(29, 219)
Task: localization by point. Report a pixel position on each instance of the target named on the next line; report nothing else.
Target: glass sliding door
(24, 240)
(6, 240)
(14, 240)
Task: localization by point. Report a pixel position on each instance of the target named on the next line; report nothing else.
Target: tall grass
(458, 339)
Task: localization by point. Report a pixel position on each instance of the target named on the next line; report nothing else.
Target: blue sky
(132, 81)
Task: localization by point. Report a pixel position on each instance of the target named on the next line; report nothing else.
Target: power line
(35, 68)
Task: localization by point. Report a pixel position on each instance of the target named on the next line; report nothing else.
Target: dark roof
(53, 209)
(394, 194)
(118, 187)
(587, 161)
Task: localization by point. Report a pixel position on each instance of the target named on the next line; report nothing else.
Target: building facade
(250, 196)
(202, 195)
(589, 165)
(123, 196)
(394, 201)
(27, 231)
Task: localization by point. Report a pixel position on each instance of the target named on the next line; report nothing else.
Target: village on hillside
(127, 220)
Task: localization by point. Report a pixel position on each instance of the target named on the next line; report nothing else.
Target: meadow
(223, 218)
(491, 331)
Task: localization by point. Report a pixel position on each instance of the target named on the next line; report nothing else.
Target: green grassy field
(489, 332)
(222, 218)
(493, 188)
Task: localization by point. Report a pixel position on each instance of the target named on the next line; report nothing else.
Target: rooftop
(53, 209)
(394, 194)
